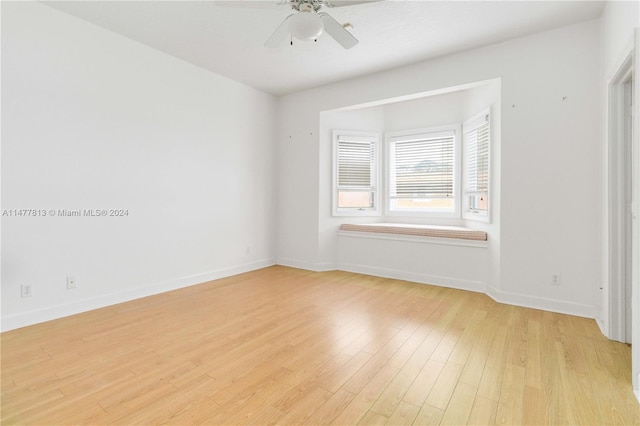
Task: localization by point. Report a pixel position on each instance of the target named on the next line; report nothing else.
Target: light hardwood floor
(287, 346)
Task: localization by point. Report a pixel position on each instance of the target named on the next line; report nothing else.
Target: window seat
(455, 232)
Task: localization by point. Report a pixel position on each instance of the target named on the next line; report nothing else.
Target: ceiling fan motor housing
(307, 23)
(304, 5)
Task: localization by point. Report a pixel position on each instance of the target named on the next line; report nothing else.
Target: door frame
(617, 176)
(612, 321)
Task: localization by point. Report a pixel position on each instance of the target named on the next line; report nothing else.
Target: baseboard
(385, 273)
(544, 304)
(470, 285)
(602, 327)
(306, 265)
(24, 319)
(637, 394)
(526, 301)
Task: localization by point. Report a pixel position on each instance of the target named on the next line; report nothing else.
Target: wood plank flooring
(286, 346)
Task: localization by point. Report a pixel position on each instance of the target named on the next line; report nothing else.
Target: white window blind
(478, 158)
(355, 164)
(355, 173)
(477, 143)
(422, 166)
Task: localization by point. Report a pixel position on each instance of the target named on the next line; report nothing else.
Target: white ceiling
(230, 40)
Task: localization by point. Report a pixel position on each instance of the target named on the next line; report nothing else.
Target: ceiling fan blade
(337, 31)
(253, 4)
(340, 3)
(280, 33)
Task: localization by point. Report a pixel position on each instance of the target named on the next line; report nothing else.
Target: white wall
(92, 120)
(619, 21)
(550, 174)
(428, 111)
(551, 170)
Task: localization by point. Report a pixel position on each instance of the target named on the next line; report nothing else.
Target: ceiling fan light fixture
(306, 25)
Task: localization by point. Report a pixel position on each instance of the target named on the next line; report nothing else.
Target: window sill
(451, 235)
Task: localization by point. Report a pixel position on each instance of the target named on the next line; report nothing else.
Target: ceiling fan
(308, 23)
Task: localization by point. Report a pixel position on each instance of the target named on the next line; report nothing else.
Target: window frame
(399, 136)
(469, 126)
(364, 137)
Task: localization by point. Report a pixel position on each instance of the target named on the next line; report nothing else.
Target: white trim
(416, 239)
(601, 326)
(526, 301)
(542, 303)
(615, 210)
(305, 264)
(419, 95)
(24, 319)
(436, 280)
(635, 226)
(604, 314)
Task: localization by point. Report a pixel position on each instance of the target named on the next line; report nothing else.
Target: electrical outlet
(556, 279)
(25, 290)
(71, 283)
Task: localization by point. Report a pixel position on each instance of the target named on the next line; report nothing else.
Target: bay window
(440, 172)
